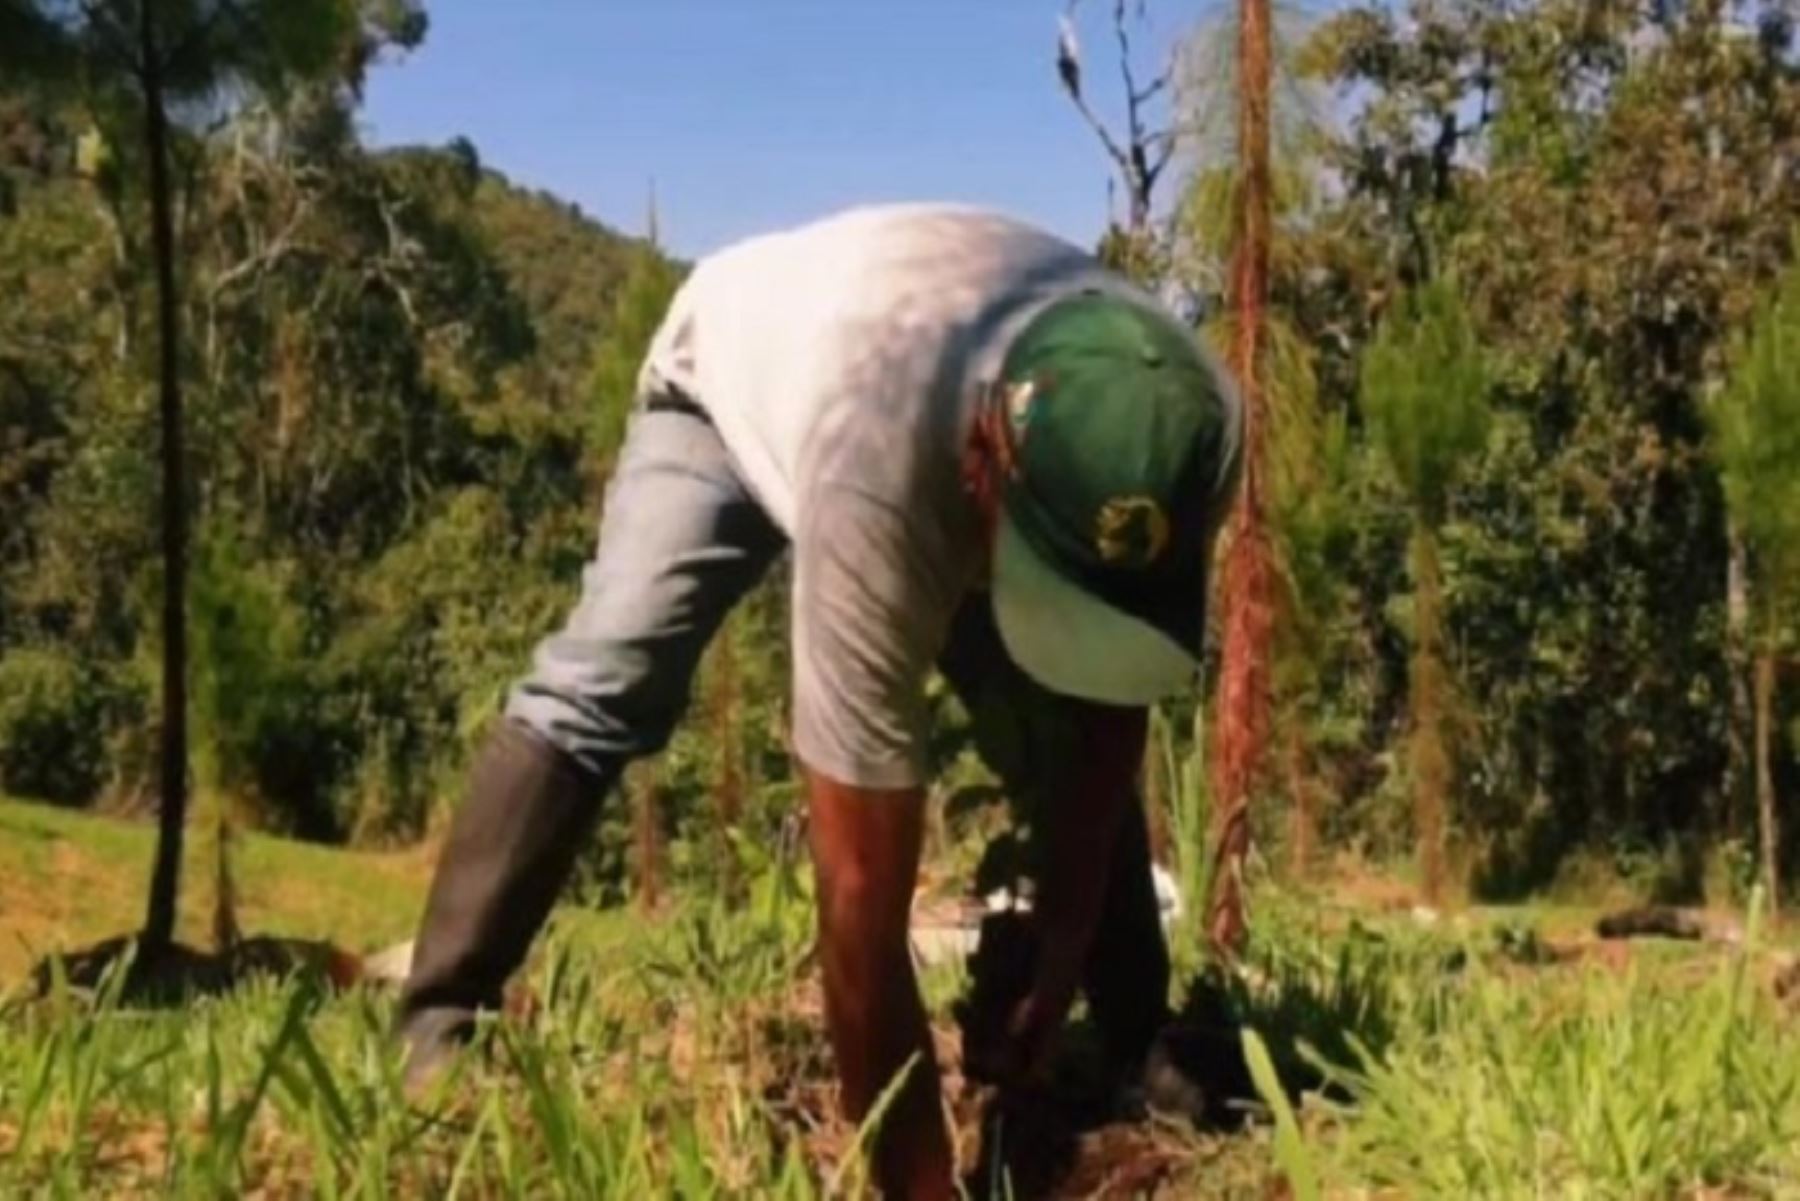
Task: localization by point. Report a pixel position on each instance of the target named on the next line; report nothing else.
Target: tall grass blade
(1290, 1149)
(854, 1166)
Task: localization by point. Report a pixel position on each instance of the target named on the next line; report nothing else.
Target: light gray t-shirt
(839, 362)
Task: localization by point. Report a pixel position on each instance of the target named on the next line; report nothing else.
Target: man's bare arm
(1081, 818)
(865, 846)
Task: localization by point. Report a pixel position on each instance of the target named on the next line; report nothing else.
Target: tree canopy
(406, 378)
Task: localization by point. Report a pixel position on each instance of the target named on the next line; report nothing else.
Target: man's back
(844, 348)
(838, 361)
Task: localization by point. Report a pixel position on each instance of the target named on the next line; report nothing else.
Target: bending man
(988, 455)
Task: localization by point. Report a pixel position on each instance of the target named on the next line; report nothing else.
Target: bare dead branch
(1124, 36)
(1151, 91)
(1113, 149)
(1161, 145)
(281, 247)
(1140, 156)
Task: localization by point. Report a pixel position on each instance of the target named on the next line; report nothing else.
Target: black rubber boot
(511, 848)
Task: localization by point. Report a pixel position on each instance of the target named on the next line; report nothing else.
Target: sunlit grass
(70, 879)
(684, 1055)
(1630, 1083)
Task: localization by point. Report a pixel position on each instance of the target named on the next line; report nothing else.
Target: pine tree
(129, 63)
(1756, 428)
(1424, 388)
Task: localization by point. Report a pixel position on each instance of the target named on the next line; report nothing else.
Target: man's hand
(1081, 817)
(865, 846)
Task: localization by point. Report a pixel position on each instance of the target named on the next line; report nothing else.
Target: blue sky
(750, 114)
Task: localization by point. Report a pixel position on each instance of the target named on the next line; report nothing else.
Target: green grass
(69, 879)
(1634, 1085)
(1656, 1071)
(681, 1056)
(684, 1056)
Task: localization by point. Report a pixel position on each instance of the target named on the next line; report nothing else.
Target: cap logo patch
(1131, 531)
(1018, 402)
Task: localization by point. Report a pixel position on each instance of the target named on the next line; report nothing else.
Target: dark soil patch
(1096, 1129)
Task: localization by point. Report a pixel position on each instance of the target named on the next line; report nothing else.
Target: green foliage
(1290, 1150)
(1542, 156)
(565, 269)
(1424, 388)
(69, 879)
(1629, 1085)
(1182, 763)
(1757, 438)
(51, 726)
(407, 379)
(649, 285)
(681, 1056)
(246, 639)
(1424, 384)
(1207, 84)
(391, 498)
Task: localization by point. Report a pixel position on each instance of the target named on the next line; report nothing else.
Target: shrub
(52, 735)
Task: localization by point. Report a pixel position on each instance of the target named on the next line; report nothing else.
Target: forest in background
(1512, 294)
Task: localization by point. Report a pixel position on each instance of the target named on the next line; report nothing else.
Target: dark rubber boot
(511, 848)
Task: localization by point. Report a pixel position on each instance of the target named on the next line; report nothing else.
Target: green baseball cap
(1126, 448)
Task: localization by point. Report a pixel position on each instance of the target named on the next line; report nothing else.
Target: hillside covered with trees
(394, 443)
(406, 378)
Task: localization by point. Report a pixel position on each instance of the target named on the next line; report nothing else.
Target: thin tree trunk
(1242, 716)
(226, 934)
(1767, 828)
(159, 923)
(1430, 762)
(1741, 714)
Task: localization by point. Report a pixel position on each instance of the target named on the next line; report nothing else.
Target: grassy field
(69, 879)
(1481, 1054)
